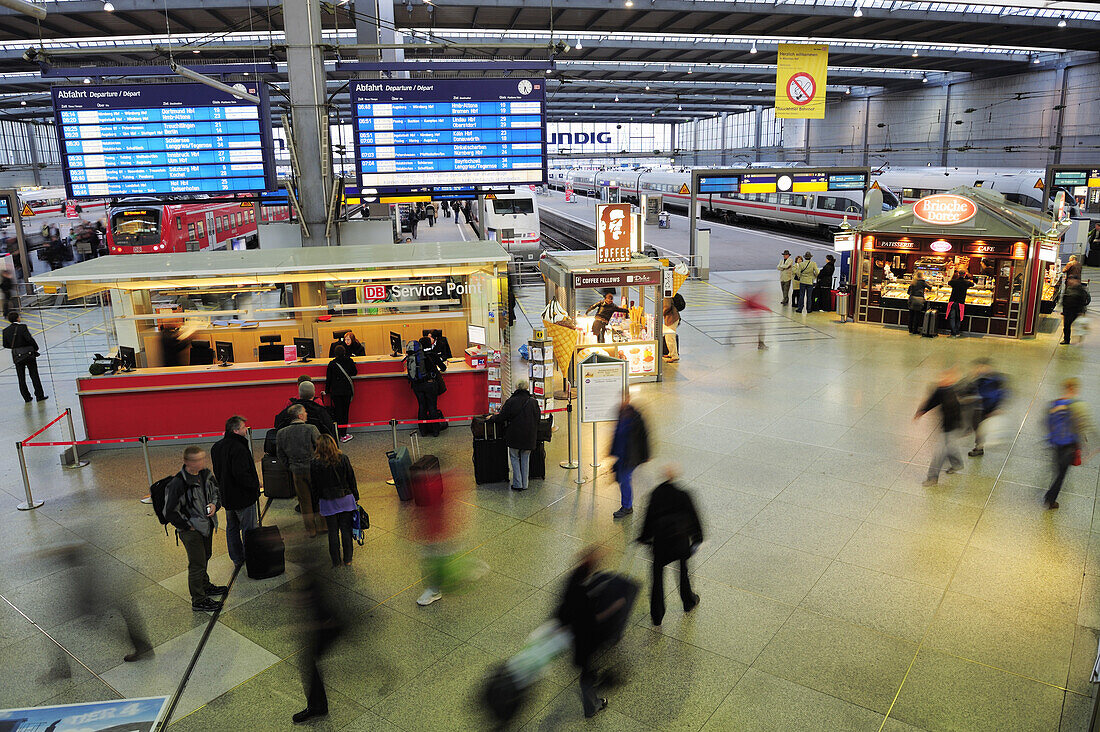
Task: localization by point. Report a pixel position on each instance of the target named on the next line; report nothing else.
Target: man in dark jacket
(578, 613)
(1074, 302)
(630, 447)
(946, 397)
(316, 415)
(605, 309)
(520, 415)
(673, 531)
(190, 502)
(24, 354)
(956, 303)
(235, 471)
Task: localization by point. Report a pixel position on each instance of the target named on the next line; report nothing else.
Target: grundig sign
(944, 209)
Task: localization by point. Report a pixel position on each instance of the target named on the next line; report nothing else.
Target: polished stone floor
(837, 592)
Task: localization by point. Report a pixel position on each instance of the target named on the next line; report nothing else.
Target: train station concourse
(549, 365)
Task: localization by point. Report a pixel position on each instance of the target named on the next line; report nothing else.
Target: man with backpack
(946, 397)
(424, 368)
(190, 501)
(1069, 426)
(673, 531)
(986, 392)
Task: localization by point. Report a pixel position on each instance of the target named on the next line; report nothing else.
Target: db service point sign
(801, 89)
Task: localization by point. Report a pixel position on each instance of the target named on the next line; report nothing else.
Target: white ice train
(822, 211)
(1020, 186)
(513, 220)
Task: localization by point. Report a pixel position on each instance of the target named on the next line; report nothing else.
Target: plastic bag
(995, 430)
(524, 352)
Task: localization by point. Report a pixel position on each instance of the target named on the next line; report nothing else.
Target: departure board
(417, 135)
(163, 139)
(793, 181)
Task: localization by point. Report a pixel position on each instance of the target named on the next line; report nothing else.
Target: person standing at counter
(340, 388)
(24, 354)
(520, 416)
(807, 276)
(605, 308)
(1072, 268)
(352, 347)
(440, 344)
(297, 442)
(424, 369)
(333, 479)
(956, 304)
(786, 274)
(917, 303)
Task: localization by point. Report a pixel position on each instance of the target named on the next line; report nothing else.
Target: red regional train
(139, 227)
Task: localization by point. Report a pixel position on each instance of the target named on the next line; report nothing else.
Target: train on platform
(139, 226)
(48, 209)
(513, 220)
(1024, 187)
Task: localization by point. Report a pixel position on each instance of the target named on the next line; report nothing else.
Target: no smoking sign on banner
(801, 89)
(800, 80)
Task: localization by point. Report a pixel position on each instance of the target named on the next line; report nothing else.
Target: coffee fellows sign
(944, 209)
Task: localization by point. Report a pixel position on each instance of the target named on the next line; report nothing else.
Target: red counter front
(194, 399)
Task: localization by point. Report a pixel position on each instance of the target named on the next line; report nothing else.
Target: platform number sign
(801, 89)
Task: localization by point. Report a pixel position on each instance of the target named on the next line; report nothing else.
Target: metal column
(946, 136)
(306, 71)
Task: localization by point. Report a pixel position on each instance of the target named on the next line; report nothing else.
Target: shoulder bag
(345, 373)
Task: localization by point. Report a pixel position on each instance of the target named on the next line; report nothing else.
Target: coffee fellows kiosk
(214, 334)
(1008, 251)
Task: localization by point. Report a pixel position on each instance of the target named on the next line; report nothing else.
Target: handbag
(440, 384)
(546, 428)
(23, 354)
(350, 382)
(360, 522)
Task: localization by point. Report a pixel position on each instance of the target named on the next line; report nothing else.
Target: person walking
(191, 501)
(414, 221)
(605, 308)
(424, 368)
(24, 354)
(468, 211)
(807, 276)
(786, 274)
(946, 397)
(753, 307)
(296, 444)
(1075, 300)
(429, 212)
(956, 303)
(456, 206)
(630, 448)
(333, 480)
(1069, 425)
(986, 391)
(341, 389)
(672, 319)
(578, 613)
(446, 207)
(824, 287)
(238, 484)
(7, 286)
(917, 303)
(520, 416)
(321, 625)
(673, 532)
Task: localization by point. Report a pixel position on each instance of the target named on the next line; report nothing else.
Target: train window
(513, 206)
(200, 229)
(826, 203)
(190, 232)
(910, 193)
(772, 197)
(225, 223)
(217, 225)
(251, 215)
(179, 224)
(785, 199)
(798, 200)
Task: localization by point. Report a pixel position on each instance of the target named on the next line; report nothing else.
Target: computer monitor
(338, 334)
(305, 348)
(127, 358)
(395, 343)
(475, 334)
(271, 352)
(269, 339)
(201, 353)
(223, 350)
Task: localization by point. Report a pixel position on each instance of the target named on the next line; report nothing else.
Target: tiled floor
(837, 592)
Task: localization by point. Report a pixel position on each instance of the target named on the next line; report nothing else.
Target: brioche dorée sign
(944, 209)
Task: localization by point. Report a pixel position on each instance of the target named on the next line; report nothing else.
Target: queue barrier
(144, 440)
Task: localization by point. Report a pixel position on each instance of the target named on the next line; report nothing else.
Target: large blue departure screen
(163, 139)
(417, 134)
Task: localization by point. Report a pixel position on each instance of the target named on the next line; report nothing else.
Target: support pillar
(1060, 114)
(758, 119)
(32, 150)
(946, 124)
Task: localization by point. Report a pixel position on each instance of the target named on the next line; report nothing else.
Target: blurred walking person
(1075, 300)
(945, 396)
(321, 626)
(235, 471)
(333, 480)
(987, 390)
(630, 448)
(340, 388)
(786, 274)
(673, 532)
(1069, 425)
(753, 307)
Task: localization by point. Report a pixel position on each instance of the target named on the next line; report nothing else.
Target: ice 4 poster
(116, 715)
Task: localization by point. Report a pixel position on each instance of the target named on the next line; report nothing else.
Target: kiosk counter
(229, 332)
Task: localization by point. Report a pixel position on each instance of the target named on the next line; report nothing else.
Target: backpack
(992, 391)
(678, 302)
(416, 363)
(157, 493)
(1060, 429)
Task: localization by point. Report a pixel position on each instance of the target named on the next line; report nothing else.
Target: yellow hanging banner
(800, 79)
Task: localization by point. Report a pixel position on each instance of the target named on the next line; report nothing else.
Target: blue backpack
(1060, 431)
(416, 365)
(992, 391)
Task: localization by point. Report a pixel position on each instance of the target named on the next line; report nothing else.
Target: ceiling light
(1035, 59)
(689, 70)
(23, 103)
(848, 90)
(87, 80)
(924, 79)
(753, 49)
(578, 45)
(629, 3)
(108, 7)
(647, 87)
(194, 50)
(759, 88)
(593, 106)
(915, 53)
(1062, 22)
(680, 107)
(616, 97)
(858, 12)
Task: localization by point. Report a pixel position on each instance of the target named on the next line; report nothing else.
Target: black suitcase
(277, 481)
(604, 590)
(928, 326)
(264, 552)
(536, 467)
(490, 458)
(477, 426)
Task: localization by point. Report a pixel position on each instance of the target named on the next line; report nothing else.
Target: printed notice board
(131, 715)
(603, 381)
(416, 135)
(800, 78)
(163, 139)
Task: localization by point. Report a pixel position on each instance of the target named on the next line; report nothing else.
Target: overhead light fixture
(753, 49)
(593, 106)
(629, 3)
(108, 7)
(647, 87)
(924, 79)
(914, 53)
(578, 45)
(213, 83)
(22, 102)
(194, 50)
(87, 80)
(1035, 58)
(680, 107)
(690, 70)
(848, 90)
(1062, 22)
(616, 97)
(858, 12)
(759, 88)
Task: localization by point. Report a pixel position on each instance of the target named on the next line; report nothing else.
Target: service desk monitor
(415, 135)
(163, 139)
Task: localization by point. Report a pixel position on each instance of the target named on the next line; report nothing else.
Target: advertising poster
(116, 715)
(613, 237)
(800, 78)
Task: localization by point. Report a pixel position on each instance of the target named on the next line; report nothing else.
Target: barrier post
(569, 464)
(145, 451)
(393, 431)
(76, 461)
(30, 503)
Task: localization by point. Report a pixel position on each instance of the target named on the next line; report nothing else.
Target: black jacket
(947, 399)
(825, 276)
(333, 482)
(1074, 301)
(578, 613)
(671, 524)
(355, 349)
(336, 382)
(235, 472)
(520, 415)
(959, 286)
(18, 334)
(316, 415)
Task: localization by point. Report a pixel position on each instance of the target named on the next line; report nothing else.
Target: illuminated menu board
(415, 135)
(163, 139)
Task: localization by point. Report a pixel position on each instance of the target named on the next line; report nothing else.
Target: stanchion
(569, 464)
(145, 451)
(595, 455)
(30, 504)
(393, 432)
(76, 461)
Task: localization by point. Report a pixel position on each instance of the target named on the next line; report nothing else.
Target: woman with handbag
(24, 354)
(340, 388)
(333, 480)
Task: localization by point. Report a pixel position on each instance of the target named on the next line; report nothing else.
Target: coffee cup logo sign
(614, 235)
(944, 209)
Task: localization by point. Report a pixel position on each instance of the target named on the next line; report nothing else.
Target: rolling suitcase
(277, 482)
(399, 469)
(604, 590)
(536, 468)
(928, 325)
(490, 457)
(426, 481)
(264, 552)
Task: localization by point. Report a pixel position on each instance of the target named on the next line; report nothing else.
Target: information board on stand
(603, 382)
(163, 139)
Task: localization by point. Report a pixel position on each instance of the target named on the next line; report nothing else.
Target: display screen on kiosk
(475, 334)
(224, 351)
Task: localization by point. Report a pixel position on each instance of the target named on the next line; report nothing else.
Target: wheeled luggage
(505, 690)
(490, 457)
(264, 552)
(546, 428)
(426, 481)
(277, 482)
(399, 469)
(604, 590)
(536, 467)
(928, 326)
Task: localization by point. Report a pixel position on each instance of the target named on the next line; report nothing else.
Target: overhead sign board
(5, 208)
(794, 180)
(800, 80)
(614, 233)
(1075, 178)
(945, 209)
(414, 135)
(163, 139)
(582, 280)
